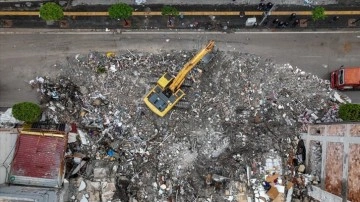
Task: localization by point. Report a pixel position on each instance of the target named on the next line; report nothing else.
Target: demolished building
(245, 120)
(333, 156)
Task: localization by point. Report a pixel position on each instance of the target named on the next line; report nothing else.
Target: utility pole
(267, 13)
(355, 21)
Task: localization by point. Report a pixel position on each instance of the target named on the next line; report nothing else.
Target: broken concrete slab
(107, 191)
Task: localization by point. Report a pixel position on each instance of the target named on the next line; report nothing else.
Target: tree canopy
(51, 11)
(26, 111)
(120, 11)
(349, 112)
(318, 13)
(169, 10)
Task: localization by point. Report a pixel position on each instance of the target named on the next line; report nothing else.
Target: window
(341, 76)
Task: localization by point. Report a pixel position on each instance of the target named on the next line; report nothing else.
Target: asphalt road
(25, 56)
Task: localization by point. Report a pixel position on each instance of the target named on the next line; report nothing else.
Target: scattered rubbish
(7, 120)
(110, 152)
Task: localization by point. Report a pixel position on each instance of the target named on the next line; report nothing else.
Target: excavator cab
(167, 93)
(161, 99)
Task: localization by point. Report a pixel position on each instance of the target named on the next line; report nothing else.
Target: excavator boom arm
(179, 79)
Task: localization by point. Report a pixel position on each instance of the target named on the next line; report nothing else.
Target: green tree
(349, 112)
(318, 13)
(169, 11)
(26, 111)
(120, 11)
(51, 11)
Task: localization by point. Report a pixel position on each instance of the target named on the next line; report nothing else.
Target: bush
(349, 112)
(51, 11)
(120, 11)
(318, 13)
(101, 70)
(170, 11)
(26, 111)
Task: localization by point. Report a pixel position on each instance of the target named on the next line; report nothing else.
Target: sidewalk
(204, 2)
(196, 2)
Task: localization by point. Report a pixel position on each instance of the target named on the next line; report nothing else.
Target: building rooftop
(39, 159)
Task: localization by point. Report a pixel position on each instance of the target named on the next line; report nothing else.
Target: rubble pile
(242, 107)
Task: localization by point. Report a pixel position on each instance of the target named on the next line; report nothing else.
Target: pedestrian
(281, 24)
(242, 14)
(292, 16)
(261, 6)
(269, 5)
(296, 22)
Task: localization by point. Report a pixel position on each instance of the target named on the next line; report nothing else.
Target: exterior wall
(7, 140)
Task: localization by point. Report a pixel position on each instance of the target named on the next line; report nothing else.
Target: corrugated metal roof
(26, 194)
(7, 141)
(39, 157)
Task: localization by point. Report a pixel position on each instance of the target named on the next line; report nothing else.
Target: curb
(185, 13)
(5, 31)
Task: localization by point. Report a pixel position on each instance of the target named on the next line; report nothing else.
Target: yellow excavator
(164, 96)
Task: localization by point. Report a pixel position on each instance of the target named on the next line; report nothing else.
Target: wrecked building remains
(240, 138)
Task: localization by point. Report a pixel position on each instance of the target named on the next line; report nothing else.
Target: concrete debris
(245, 116)
(301, 168)
(84, 199)
(82, 186)
(72, 137)
(78, 167)
(83, 137)
(108, 189)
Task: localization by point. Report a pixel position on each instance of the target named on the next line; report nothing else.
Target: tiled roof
(39, 156)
